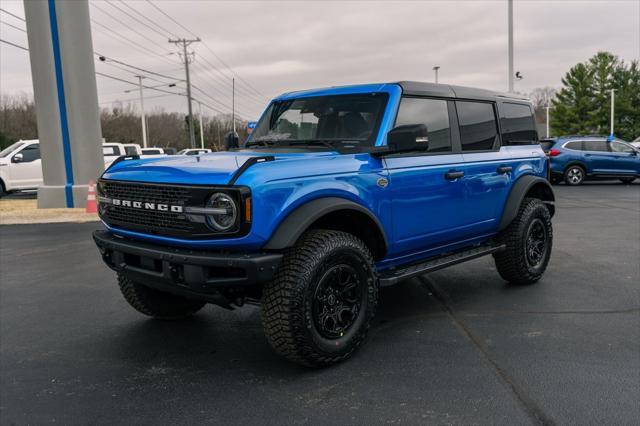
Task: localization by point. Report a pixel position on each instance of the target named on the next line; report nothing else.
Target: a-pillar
(66, 99)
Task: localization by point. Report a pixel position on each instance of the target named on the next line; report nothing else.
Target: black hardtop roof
(418, 88)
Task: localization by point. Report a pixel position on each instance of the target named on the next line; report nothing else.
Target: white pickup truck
(21, 168)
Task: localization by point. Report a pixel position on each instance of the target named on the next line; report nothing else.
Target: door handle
(453, 175)
(504, 169)
(587, 155)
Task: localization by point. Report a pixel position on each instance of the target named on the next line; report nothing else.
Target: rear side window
(598, 146)
(518, 127)
(478, 127)
(30, 153)
(434, 114)
(575, 145)
(110, 151)
(546, 145)
(130, 150)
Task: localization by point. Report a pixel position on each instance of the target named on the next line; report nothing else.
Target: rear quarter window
(575, 145)
(546, 145)
(518, 125)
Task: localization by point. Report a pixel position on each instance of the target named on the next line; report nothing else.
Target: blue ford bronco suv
(336, 193)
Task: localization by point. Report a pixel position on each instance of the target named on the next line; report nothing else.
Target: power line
(127, 26)
(208, 48)
(14, 45)
(106, 58)
(11, 14)
(142, 15)
(136, 84)
(13, 26)
(134, 44)
(163, 35)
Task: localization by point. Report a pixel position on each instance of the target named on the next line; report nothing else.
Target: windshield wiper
(324, 142)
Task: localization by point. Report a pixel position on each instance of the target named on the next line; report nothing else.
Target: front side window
(518, 127)
(478, 129)
(595, 146)
(30, 153)
(434, 114)
(351, 120)
(620, 147)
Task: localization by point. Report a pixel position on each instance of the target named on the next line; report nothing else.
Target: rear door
(597, 157)
(487, 168)
(427, 207)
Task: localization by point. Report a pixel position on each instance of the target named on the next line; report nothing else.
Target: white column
(64, 87)
(201, 127)
(143, 120)
(511, 70)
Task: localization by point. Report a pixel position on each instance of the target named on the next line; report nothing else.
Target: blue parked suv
(577, 158)
(336, 193)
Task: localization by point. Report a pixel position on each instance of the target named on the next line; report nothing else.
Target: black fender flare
(520, 189)
(298, 221)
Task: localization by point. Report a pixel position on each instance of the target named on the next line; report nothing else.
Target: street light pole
(510, 12)
(613, 108)
(142, 116)
(201, 131)
(233, 104)
(547, 108)
(436, 68)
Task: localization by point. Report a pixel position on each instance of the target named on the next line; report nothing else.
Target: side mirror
(409, 137)
(17, 158)
(231, 141)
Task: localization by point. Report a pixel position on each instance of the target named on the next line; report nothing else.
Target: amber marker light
(247, 209)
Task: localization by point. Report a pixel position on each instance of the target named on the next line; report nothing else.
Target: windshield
(8, 150)
(341, 119)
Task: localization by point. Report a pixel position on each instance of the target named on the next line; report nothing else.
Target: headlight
(225, 219)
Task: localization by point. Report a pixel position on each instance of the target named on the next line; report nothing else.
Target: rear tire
(157, 304)
(574, 175)
(529, 240)
(318, 308)
(627, 181)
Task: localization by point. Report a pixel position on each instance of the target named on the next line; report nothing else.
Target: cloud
(283, 46)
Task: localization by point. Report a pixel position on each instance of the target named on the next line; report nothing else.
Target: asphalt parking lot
(458, 346)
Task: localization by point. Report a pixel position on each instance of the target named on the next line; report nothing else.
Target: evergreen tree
(574, 103)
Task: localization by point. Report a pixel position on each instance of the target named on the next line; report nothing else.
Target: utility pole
(142, 116)
(613, 108)
(185, 43)
(201, 130)
(510, 12)
(233, 104)
(436, 68)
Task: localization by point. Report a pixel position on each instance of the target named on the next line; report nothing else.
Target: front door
(25, 171)
(625, 160)
(426, 196)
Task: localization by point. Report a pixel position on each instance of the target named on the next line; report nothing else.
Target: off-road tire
(157, 304)
(628, 180)
(289, 299)
(574, 175)
(513, 263)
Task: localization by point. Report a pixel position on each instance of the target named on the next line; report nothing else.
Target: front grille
(153, 221)
(146, 192)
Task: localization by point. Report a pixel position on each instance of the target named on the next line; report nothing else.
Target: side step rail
(394, 276)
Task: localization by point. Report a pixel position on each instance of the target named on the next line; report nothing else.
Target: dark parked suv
(577, 158)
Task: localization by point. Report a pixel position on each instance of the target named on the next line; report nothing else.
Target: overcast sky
(281, 46)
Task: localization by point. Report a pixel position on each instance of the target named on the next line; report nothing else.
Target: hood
(214, 168)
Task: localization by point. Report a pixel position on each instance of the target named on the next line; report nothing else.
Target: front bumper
(182, 271)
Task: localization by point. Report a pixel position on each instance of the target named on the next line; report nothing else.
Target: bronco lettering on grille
(147, 206)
